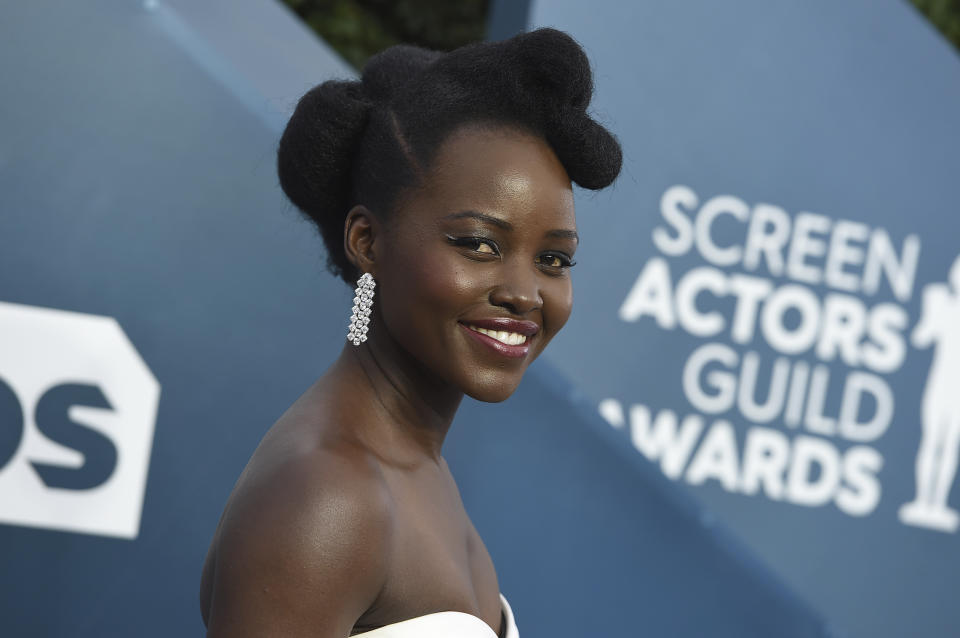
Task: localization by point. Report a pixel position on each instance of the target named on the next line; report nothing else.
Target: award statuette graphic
(936, 464)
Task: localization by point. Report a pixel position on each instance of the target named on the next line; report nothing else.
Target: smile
(513, 343)
(509, 338)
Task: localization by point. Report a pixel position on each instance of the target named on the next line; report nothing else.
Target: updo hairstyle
(363, 142)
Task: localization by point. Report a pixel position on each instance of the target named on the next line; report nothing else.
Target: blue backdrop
(161, 305)
(764, 306)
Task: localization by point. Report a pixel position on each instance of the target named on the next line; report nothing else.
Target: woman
(445, 181)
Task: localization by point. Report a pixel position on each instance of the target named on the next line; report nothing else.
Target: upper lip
(528, 328)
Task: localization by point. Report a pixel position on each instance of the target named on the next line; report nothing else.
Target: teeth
(509, 338)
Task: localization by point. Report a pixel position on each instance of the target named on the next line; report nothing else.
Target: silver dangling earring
(362, 303)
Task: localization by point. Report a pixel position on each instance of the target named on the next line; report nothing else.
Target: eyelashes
(475, 244)
(552, 260)
(563, 260)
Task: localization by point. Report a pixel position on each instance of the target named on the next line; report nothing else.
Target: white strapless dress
(446, 624)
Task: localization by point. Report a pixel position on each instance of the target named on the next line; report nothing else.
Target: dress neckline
(454, 623)
(438, 620)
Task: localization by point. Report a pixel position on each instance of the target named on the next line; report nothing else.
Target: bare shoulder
(303, 545)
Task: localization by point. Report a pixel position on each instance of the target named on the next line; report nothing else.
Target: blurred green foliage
(359, 28)
(945, 15)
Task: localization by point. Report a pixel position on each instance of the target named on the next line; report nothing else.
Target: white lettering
(842, 253)
(772, 320)
(804, 489)
(765, 457)
(862, 494)
(670, 203)
(716, 458)
(843, 325)
(857, 385)
(720, 205)
(651, 295)
(881, 256)
(690, 285)
(804, 245)
(769, 244)
(722, 382)
(663, 441)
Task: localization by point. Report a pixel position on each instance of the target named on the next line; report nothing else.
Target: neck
(407, 410)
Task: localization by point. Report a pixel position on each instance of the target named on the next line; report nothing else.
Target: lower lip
(515, 352)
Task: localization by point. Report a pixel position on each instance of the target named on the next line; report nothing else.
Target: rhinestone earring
(362, 303)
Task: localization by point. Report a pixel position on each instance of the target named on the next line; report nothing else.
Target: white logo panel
(78, 408)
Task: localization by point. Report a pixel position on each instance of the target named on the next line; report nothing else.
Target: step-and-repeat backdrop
(748, 429)
(768, 302)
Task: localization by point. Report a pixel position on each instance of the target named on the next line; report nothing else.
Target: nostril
(518, 292)
(516, 304)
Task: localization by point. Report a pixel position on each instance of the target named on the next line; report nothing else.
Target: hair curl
(363, 141)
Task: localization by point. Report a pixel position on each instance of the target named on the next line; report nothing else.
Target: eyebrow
(564, 234)
(504, 224)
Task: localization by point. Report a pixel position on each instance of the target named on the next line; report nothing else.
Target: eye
(556, 260)
(482, 246)
(476, 244)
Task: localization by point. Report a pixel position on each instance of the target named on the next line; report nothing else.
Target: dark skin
(347, 517)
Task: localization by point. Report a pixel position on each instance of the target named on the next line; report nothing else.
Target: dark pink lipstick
(527, 328)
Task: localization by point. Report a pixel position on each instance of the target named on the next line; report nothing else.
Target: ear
(361, 229)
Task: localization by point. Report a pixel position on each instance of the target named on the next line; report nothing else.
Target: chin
(495, 391)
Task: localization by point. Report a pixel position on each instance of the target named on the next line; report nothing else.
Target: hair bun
(316, 152)
(388, 71)
(590, 153)
(554, 63)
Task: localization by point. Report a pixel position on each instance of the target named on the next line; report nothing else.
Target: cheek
(558, 305)
(439, 278)
(423, 288)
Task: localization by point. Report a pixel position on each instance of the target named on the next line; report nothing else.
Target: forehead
(500, 171)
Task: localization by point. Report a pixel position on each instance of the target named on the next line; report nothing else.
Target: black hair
(364, 141)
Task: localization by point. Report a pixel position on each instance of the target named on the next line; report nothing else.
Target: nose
(518, 290)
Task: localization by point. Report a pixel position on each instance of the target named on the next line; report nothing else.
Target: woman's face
(473, 269)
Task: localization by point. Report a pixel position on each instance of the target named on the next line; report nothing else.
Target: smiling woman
(445, 179)
(497, 265)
